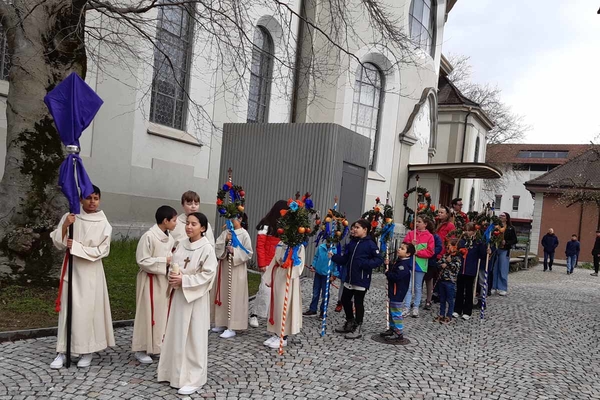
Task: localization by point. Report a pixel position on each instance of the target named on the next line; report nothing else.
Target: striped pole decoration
(485, 285)
(230, 264)
(326, 299)
(285, 306)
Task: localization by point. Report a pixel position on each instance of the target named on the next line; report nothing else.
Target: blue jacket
(477, 252)
(437, 250)
(573, 248)
(549, 242)
(398, 277)
(360, 257)
(321, 261)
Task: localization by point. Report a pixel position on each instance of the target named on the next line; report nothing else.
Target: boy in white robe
(91, 325)
(219, 294)
(153, 256)
(183, 361)
(190, 202)
(275, 278)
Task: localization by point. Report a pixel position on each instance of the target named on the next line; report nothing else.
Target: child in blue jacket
(361, 256)
(474, 253)
(398, 277)
(320, 267)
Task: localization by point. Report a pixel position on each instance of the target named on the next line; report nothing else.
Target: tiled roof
(581, 171)
(448, 94)
(509, 153)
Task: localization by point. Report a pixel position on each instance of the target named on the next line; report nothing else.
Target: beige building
(151, 141)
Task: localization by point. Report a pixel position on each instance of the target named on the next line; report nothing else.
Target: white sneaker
(502, 292)
(218, 329)
(455, 315)
(493, 291)
(188, 390)
(275, 343)
(59, 361)
(466, 317)
(227, 334)
(405, 312)
(84, 361)
(254, 322)
(270, 340)
(143, 357)
(415, 312)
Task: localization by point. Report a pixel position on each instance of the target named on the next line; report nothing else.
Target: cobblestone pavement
(539, 342)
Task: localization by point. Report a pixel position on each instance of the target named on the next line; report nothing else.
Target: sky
(543, 54)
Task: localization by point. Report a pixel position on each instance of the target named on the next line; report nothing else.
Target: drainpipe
(462, 154)
(298, 61)
(580, 221)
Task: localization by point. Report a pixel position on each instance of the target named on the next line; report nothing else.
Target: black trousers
(359, 304)
(464, 295)
(596, 262)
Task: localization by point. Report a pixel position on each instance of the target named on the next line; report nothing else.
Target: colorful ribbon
(235, 242)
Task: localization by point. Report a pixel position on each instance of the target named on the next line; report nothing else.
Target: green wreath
(425, 209)
(337, 224)
(233, 206)
(379, 217)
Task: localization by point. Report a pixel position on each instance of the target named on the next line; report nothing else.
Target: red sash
(62, 279)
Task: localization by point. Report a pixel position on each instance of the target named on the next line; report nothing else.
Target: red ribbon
(272, 305)
(62, 279)
(152, 297)
(218, 294)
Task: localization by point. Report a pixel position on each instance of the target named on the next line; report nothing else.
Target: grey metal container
(273, 161)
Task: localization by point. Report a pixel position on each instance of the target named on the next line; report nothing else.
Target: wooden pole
(414, 266)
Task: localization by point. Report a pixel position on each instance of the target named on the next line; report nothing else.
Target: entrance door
(446, 190)
(352, 194)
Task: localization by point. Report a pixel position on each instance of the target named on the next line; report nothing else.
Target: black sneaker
(427, 306)
(395, 338)
(387, 333)
(309, 313)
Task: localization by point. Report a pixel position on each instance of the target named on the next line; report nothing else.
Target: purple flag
(73, 105)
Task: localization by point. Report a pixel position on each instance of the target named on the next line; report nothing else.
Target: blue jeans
(501, 267)
(548, 260)
(571, 263)
(418, 290)
(447, 292)
(319, 286)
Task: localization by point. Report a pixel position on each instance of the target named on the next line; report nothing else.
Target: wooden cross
(187, 260)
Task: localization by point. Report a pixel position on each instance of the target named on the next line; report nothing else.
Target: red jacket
(443, 230)
(265, 248)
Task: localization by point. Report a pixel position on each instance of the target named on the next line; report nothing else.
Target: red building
(556, 193)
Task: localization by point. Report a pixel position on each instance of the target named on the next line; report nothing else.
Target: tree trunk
(46, 45)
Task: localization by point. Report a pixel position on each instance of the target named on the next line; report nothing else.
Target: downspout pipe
(298, 61)
(464, 143)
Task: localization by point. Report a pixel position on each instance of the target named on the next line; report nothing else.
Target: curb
(11, 336)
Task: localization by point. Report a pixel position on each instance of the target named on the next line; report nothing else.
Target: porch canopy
(459, 170)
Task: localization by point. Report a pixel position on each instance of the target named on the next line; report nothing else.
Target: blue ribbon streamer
(488, 233)
(385, 236)
(296, 261)
(235, 242)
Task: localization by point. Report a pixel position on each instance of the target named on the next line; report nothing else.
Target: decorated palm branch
(381, 218)
(231, 200)
(293, 228)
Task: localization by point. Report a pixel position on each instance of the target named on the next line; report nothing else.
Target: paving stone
(539, 342)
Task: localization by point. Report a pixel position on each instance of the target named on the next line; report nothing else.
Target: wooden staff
(386, 258)
(414, 266)
(285, 305)
(475, 284)
(327, 283)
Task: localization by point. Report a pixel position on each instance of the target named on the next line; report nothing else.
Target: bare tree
(49, 39)
(509, 127)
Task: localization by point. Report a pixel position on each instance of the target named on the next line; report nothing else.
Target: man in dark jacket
(596, 254)
(549, 243)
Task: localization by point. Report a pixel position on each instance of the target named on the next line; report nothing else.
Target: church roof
(448, 94)
(512, 153)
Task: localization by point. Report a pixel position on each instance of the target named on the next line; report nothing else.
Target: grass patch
(585, 265)
(27, 307)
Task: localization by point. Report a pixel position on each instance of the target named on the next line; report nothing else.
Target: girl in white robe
(183, 361)
(220, 295)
